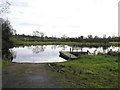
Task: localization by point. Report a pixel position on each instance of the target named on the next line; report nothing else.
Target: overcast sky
(70, 17)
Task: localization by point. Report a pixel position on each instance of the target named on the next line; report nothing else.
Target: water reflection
(38, 49)
(94, 50)
(53, 46)
(13, 54)
(50, 53)
(62, 46)
(104, 49)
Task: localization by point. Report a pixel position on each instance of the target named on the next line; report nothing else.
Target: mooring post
(70, 50)
(70, 57)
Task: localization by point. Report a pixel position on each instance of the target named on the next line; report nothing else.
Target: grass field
(99, 71)
(115, 43)
(67, 43)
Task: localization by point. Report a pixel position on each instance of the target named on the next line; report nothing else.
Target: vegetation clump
(7, 42)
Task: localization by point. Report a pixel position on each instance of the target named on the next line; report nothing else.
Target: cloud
(19, 3)
(29, 24)
(70, 17)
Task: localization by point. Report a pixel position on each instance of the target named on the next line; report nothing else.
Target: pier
(67, 55)
(71, 55)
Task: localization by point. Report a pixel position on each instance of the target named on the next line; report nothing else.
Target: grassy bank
(99, 71)
(5, 63)
(115, 43)
(45, 43)
(67, 43)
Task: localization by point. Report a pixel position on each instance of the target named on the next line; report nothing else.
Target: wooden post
(70, 57)
(70, 50)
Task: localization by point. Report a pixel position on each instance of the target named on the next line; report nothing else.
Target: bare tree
(14, 32)
(63, 36)
(96, 37)
(4, 7)
(90, 36)
(36, 33)
(41, 34)
(81, 36)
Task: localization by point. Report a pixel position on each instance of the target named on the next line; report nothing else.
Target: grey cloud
(19, 22)
(29, 24)
(19, 4)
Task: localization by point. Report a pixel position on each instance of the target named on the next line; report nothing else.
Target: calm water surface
(49, 53)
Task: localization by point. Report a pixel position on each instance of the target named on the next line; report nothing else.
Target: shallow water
(49, 53)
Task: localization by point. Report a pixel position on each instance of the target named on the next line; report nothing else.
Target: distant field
(67, 43)
(99, 71)
(45, 43)
(115, 43)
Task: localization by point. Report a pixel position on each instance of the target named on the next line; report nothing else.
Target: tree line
(40, 37)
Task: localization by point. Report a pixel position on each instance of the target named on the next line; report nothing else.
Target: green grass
(66, 43)
(5, 63)
(99, 71)
(115, 43)
(45, 43)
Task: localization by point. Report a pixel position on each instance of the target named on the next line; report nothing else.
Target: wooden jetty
(72, 55)
(67, 55)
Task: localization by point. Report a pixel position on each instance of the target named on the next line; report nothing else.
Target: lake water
(49, 53)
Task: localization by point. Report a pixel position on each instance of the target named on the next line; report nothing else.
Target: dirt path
(28, 76)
